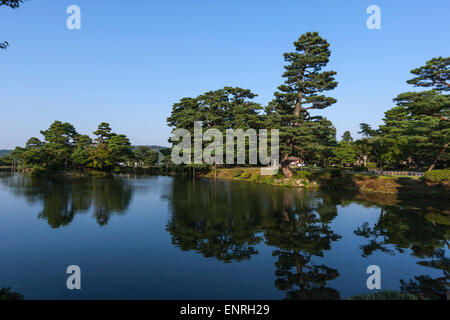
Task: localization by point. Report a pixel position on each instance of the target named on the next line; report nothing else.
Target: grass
(407, 186)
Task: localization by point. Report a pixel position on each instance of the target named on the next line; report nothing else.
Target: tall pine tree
(301, 92)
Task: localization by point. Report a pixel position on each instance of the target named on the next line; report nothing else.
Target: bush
(246, 175)
(359, 169)
(371, 165)
(237, 173)
(37, 170)
(279, 174)
(302, 175)
(437, 176)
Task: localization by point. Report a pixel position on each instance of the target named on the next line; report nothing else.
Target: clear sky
(132, 60)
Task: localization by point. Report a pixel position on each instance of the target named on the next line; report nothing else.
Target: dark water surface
(170, 238)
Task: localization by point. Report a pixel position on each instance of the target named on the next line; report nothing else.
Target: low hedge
(437, 176)
(237, 173)
(246, 175)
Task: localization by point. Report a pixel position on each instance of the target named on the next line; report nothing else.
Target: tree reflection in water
(421, 229)
(298, 225)
(227, 220)
(215, 219)
(62, 198)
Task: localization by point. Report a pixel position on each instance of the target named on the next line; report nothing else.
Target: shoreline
(402, 187)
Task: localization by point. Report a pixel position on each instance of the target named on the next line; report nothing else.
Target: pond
(160, 237)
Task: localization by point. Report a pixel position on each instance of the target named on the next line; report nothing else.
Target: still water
(161, 237)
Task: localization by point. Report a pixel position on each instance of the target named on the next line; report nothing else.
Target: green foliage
(37, 170)
(246, 175)
(435, 73)
(302, 135)
(145, 155)
(416, 132)
(371, 165)
(347, 137)
(430, 103)
(64, 149)
(344, 153)
(223, 109)
(254, 177)
(302, 175)
(437, 176)
(237, 173)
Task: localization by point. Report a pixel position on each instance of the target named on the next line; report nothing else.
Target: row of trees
(415, 133)
(63, 148)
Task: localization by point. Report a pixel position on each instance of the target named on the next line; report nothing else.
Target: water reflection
(63, 198)
(215, 219)
(226, 220)
(300, 230)
(232, 221)
(424, 233)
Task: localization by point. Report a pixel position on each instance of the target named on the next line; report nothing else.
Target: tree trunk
(437, 157)
(285, 167)
(298, 105)
(381, 166)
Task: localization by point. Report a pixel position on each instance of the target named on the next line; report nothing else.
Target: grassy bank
(334, 180)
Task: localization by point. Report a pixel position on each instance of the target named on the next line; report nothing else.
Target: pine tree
(436, 75)
(302, 91)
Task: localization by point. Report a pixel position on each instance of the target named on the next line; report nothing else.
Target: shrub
(37, 170)
(279, 174)
(237, 173)
(437, 176)
(246, 175)
(359, 169)
(302, 175)
(371, 165)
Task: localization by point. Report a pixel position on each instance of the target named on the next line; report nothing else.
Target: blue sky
(132, 60)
